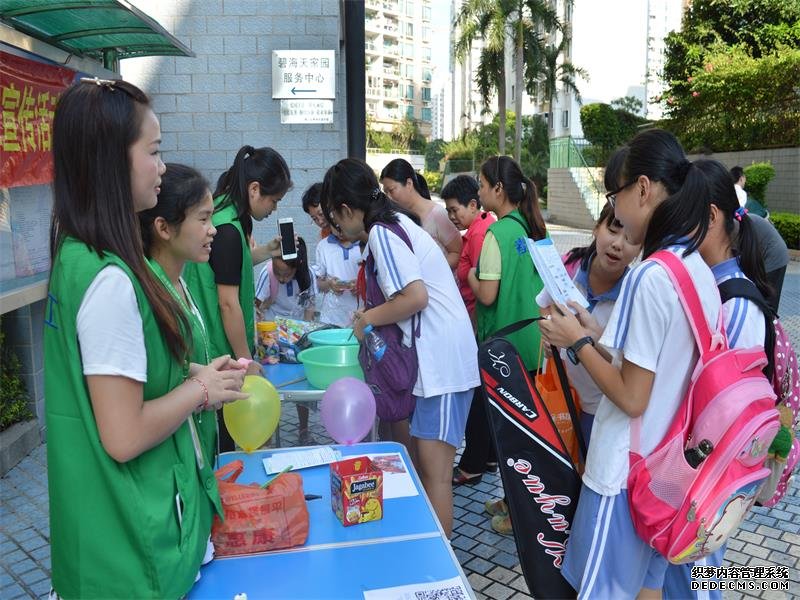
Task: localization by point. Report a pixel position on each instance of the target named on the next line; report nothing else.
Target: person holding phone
(223, 288)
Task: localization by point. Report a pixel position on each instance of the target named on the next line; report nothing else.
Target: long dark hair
(401, 170)
(302, 274)
(351, 181)
(94, 127)
(520, 190)
(740, 232)
(585, 253)
(263, 165)
(182, 188)
(658, 155)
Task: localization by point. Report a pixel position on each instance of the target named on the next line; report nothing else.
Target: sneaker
(502, 524)
(496, 508)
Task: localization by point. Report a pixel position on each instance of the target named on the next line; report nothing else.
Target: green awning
(105, 30)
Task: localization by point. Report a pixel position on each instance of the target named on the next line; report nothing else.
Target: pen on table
(270, 481)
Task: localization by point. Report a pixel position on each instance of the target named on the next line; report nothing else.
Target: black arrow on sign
(296, 91)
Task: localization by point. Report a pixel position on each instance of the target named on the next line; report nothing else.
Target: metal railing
(569, 153)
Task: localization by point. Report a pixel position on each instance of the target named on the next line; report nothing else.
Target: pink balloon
(348, 410)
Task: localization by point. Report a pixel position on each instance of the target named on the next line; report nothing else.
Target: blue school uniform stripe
(628, 294)
(597, 548)
(391, 265)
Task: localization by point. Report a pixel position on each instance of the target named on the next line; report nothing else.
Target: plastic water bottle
(374, 342)
(694, 456)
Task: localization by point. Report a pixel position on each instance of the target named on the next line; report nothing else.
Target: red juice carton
(356, 490)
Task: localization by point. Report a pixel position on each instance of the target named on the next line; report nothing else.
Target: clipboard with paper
(557, 282)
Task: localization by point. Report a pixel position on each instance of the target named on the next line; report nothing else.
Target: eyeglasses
(612, 196)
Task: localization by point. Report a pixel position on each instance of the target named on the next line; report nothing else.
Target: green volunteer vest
(115, 530)
(205, 422)
(200, 279)
(519, 285)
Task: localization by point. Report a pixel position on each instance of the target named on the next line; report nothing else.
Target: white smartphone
(286, 230)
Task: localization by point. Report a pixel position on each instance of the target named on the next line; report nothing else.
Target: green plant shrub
(758, 177)
(434, 180)
(606, 128)
(434, 153)
(13, 395)
(788, 225)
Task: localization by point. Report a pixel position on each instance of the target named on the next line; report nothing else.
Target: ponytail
(421, 185)
(738, 226)
(520, 190)
(658, 155)
(262, 165)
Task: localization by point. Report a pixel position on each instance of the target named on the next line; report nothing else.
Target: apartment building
(398, 65)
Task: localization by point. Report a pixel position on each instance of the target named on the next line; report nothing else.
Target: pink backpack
(782, 370)
(683, 512)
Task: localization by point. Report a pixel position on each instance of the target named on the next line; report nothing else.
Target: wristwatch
(572, 351)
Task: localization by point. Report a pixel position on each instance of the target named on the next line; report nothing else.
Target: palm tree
(555, 72)
(529, 22)
(487, 19)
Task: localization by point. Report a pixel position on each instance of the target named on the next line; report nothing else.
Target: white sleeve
(642, 315)
(320, 269)
(262, 283)
(109, 327)
(396, 264)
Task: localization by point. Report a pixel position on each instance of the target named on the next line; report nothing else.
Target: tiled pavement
(768, 537)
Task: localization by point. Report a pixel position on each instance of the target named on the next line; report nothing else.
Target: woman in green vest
(505, 285)
(223, 287)
(131, 502)
(175, 231)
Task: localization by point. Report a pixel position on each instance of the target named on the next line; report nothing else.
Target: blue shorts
(605, 557)
(677, 581)
(442, 417)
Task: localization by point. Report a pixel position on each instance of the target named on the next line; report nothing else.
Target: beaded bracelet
(204, 405)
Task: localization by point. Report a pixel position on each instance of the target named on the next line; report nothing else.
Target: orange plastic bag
(256, 519)
(549, 388)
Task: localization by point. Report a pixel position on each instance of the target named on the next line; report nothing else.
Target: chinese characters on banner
(29, 91)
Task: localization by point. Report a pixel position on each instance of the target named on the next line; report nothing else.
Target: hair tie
(740, 212)
(375, 194)
(682, 169)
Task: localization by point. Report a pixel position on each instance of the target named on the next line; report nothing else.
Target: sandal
(460, 479)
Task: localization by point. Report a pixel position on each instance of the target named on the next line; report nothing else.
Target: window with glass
(426, 34)
(426, 114)
(409, 29)
(410, 111)
(409, 8)
(409, 92)
(408, 50)
(426, 94)
(426, 13)
(426, 54)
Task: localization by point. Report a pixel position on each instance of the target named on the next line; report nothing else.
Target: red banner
(29, 91)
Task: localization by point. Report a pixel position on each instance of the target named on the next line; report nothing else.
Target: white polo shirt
(335, 259)
(649, 328)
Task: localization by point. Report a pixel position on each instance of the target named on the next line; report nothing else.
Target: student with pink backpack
(661, 200)
(732, 251)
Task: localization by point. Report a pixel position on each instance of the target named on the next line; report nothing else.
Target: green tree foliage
(630, 104)
(758, 177)
(405, 136)
(607, 128)
(471, 149)
(13, 395)
(731, 74)
(434, 153)
(788, 225)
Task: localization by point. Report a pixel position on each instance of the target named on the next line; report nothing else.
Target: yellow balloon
(253, 420)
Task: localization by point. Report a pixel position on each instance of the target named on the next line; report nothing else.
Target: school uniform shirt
(289, 301)
(647, 327)
(600, 306)
(744, 321)
(336, 259)
(446, 348)
(472, 243)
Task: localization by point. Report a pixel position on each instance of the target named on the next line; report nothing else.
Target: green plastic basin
(333, 337)
(326, 364)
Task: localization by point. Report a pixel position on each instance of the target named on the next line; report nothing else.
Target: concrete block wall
(783, 192)
(211, 105)
(564, 202)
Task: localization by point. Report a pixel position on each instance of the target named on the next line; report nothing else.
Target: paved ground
(768, 537)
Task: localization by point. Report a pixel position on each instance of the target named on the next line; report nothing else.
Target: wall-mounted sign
(306, 111)
(303, 74)
(28, 93)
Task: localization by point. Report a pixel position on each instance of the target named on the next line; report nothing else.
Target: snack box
(356, 490)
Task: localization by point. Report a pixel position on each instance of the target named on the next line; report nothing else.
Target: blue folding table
(407, 546)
